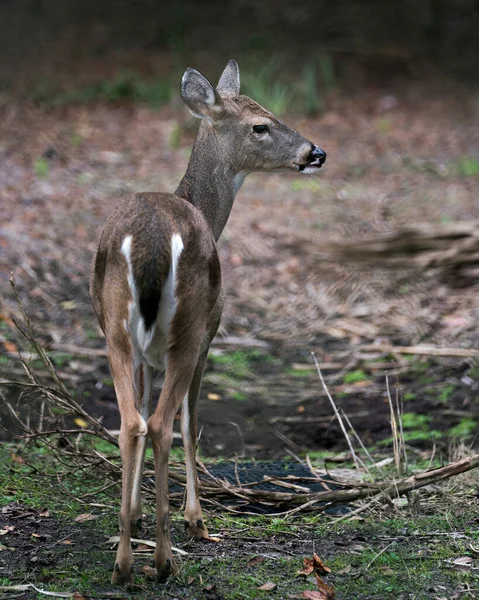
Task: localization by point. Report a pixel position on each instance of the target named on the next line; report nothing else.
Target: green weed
(446, 392)
(355, 376)
(466, 428)
(466, 166)
(41, 167)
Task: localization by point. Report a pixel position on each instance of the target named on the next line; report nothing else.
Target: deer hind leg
(194, 524)
(133, 430)
(181, 363)
(143, 376)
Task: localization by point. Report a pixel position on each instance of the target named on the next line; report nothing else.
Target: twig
(356, 459)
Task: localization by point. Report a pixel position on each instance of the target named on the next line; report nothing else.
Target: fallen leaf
(215, 397)
(144, 548)
(313, 564)
(300, 409)
(191, 579)
(149, 572)
(81, 422)
(209, 587)
(256, 560)
(268, 586)
(85, 517)
(463, 561)
(319, 565)
(44, 513)
(7, 529)
(68, 305)
(10, 347)
(78, 596)
(17, 459)
(37, 535)
(66, 542)
(213, 538)
(326, 590)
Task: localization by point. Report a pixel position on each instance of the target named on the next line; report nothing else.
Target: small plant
(355, 376)
(41, 167)
(446, 393)
(464, 429)
(466, 166)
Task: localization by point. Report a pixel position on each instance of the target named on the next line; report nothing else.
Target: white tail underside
(150, 344)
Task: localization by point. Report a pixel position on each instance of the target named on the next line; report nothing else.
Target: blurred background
(90, 111)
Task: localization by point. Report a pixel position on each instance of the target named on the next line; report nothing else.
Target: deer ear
(198, 94)
(229, 83)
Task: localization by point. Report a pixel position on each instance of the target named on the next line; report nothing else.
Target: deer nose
(318, 154)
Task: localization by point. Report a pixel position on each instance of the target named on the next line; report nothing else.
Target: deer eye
(260, 128)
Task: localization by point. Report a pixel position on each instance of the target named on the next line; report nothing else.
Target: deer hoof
(166, 569)
(122, 575)
(196, 529)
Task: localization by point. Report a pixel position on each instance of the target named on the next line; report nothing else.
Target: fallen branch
(425, 350)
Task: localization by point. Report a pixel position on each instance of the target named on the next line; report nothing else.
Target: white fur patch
(167, 307)
(150, 344)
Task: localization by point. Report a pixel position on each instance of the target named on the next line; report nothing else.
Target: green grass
(379, 558)
(355, 376)
(41, 167)
(127, 86)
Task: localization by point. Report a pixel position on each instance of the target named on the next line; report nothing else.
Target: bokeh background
(90, 110)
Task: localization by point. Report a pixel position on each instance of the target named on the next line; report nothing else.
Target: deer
(157, 291)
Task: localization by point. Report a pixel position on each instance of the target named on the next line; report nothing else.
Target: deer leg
(143, 390)
(133, 428)
(179, 372)
(194, 524)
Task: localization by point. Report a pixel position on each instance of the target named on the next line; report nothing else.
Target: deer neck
(211, 181)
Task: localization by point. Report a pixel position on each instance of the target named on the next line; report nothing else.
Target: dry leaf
(215, 397)
(300, 409)
(326, 590)
(463, 561)
(17, 459)
(78, 596)
(81, 422)
(10, 347)
(44, 513)
(36, 535)
(213, 538)
(85, 517)
(256, 560)
(319, 565)
(268, 586)
(7, 529)
(144, 548)
(209, 587)
(66, 542)
(68, 305)
(191, 579)
(313, 564)
(149, 572)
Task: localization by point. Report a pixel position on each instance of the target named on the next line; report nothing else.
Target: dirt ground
(394, 157)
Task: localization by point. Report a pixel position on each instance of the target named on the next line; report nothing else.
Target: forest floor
(394, 157)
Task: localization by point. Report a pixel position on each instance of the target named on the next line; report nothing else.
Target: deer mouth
(310, 167)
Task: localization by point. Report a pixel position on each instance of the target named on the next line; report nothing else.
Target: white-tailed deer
(156, 289)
